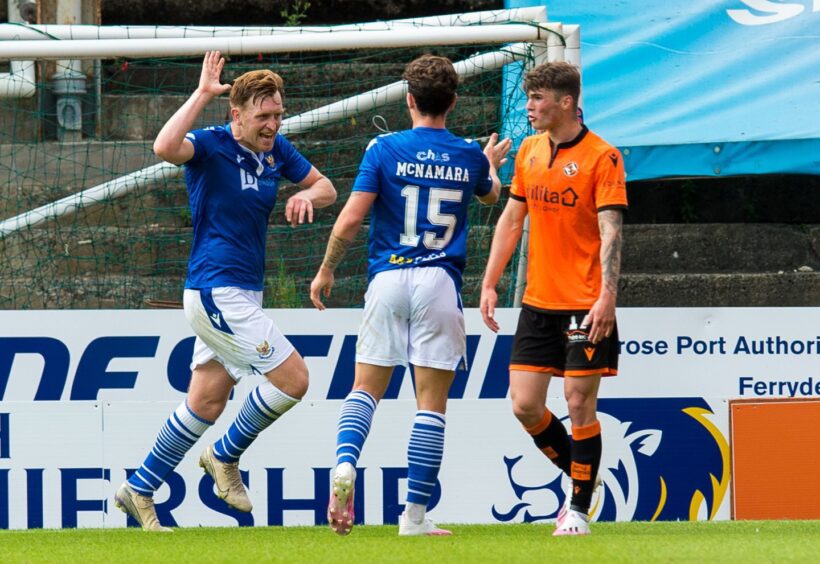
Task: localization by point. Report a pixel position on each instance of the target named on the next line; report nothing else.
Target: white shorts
(413, 315)
(232, 329)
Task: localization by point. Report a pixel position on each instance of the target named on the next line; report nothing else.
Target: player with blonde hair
(232, 172)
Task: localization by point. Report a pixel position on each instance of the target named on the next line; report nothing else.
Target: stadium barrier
(84, 393)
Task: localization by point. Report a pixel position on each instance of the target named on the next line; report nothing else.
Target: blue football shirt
(425, 179)
(231, 192)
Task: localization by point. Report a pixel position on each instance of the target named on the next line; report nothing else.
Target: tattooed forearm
(336, 250)
(610, 224)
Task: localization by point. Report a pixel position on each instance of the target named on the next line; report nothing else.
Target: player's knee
(295, 383)
(527, 412)
(299, 382)
(206, 407)
(581, 409)
(292, 377)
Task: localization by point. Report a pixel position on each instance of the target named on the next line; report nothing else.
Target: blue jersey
(425, 179)
(231, 192)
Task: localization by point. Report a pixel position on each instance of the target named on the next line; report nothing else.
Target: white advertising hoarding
(84, 393)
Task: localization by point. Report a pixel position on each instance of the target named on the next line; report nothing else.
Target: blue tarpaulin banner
(700, 88)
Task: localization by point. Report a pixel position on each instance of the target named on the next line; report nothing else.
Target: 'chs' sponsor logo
(433, 172)
(647, 469)
(538, 193)
(429, 155)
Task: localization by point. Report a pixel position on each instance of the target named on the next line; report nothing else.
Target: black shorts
(556, 343)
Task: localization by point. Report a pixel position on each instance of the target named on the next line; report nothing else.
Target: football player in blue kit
(419, 184)
(232, 172)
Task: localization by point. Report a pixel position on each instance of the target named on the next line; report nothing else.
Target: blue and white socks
(182, 429)
(264, 405)
(424, 451)
(354, 426)
(424, 454)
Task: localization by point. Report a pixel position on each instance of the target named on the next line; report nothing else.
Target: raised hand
(496, 151)
(209, 82)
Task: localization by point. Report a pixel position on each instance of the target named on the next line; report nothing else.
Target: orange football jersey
(564, 188)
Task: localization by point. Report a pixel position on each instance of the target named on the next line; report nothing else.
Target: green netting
(131, 252)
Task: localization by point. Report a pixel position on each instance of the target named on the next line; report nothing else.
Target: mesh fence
(131, 252)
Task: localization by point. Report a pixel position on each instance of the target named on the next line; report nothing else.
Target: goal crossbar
(344, 40)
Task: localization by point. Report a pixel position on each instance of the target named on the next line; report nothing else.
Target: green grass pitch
(728, 541)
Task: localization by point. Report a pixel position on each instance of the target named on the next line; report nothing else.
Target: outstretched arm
(602, 314)
(318, 192)
(344, 232)
(507, 234)
(171, 144)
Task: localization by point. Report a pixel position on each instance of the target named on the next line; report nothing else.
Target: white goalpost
(535, 39)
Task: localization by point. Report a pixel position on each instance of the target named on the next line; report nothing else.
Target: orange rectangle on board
(775, 458)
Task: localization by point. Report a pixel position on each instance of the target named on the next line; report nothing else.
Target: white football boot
(408, 528)
(342, 493)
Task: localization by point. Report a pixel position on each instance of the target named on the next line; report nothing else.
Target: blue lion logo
(648, 468)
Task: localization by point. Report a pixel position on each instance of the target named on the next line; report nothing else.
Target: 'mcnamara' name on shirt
(433, 172)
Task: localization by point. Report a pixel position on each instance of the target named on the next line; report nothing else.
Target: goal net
(90, 218)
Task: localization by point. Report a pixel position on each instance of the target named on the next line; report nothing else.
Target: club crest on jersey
(532, 161)
(265, 350)
(269, 160)
(571, 169)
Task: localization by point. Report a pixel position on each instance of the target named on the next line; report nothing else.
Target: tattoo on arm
(610, 224)
(336, 250)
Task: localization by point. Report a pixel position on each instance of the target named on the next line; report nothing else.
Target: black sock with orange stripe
(551, 438)
(586, 459)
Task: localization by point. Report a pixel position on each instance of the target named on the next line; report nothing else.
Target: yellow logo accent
(395, 259)
(719, 484)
